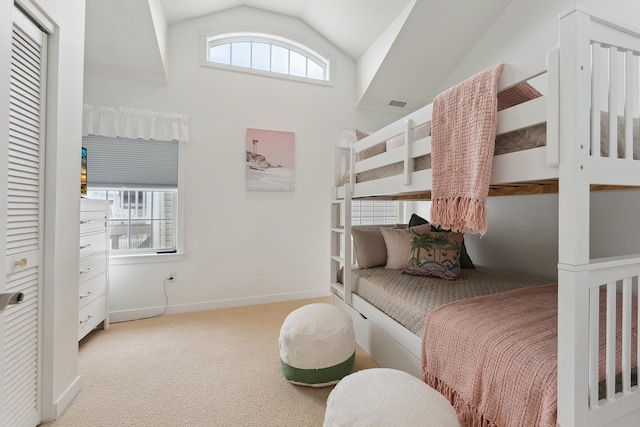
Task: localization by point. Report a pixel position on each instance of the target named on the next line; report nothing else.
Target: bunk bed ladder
(336, 260)
(341, 258)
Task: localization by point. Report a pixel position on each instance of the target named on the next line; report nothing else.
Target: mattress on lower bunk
(407, 299)
(519, 140)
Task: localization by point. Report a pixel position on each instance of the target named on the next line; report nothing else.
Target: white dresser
(94, 266)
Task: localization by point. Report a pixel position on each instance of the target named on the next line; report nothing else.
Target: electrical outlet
(172, 275)
(260, 270)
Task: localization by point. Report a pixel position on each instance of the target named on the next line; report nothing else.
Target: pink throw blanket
(463, 140)
(495, 357)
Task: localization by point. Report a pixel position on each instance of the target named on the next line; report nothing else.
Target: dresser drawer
(91, 244)
(92, 266)
(92, 221)
(91, 315)
(92, 289)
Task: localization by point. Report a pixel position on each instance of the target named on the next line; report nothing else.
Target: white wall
(60, 381)
(522, 230)
(229, 231)
(526, 25)
(370, 61)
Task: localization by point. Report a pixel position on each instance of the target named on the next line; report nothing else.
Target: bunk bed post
(348, 257)
(408, 145)
(573, 219)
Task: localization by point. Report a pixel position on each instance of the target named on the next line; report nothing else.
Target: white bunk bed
(571, 164)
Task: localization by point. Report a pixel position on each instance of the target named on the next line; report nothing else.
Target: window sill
(145, 258)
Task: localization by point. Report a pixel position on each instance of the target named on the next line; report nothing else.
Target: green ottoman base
(318, 377)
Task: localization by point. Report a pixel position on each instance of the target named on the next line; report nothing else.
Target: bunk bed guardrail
(521, 116)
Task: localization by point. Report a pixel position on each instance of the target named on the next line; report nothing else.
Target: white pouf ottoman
(387, 397)
(317, 345)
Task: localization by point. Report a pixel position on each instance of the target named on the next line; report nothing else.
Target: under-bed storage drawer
(384, 350)
(360, 323)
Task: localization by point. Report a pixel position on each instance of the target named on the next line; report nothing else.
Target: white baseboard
(67, 397)
(127, 315)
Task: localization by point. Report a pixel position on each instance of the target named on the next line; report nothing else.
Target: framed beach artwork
(270, 160)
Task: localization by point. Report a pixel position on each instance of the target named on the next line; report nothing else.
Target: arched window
(266, 54)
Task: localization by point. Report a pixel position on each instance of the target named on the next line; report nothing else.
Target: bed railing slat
(594, 337)
(610, 357)
(596, 81)
(553, 108)
(631, 94)
(626, 334)
(613, 102)
(523, 115)
(352, 173)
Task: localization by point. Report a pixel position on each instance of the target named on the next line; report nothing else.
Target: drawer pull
(88, 221)
(87, 319)
(85, 271)
(21, 263)
(86, 295)
(88, 245)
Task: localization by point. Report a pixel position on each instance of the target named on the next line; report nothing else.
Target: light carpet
(210, 368)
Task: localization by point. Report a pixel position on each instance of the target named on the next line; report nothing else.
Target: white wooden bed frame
(566, 109)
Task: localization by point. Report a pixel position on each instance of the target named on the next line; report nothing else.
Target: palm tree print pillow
(435, 254)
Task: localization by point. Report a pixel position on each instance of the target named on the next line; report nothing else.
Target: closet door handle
(85, 271)
(22, 263)
(88, 245)
(87, 221)
(86, 295)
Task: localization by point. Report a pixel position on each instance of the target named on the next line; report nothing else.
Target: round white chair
(317, 345)
(387, 397)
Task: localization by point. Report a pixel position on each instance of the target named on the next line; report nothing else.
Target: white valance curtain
(130, 123)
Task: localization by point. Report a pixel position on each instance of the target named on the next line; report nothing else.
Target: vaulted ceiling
(404, 48)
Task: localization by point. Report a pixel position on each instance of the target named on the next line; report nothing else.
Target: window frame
(208, 38)
(124, 193)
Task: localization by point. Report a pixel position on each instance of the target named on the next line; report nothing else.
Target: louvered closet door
(20, 365)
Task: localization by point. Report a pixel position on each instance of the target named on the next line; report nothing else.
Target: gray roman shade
(131, 163)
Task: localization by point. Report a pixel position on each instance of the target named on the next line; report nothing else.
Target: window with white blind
(140, 178)
(364, 212)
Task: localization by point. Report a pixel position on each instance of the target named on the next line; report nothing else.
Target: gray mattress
(407, 299)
